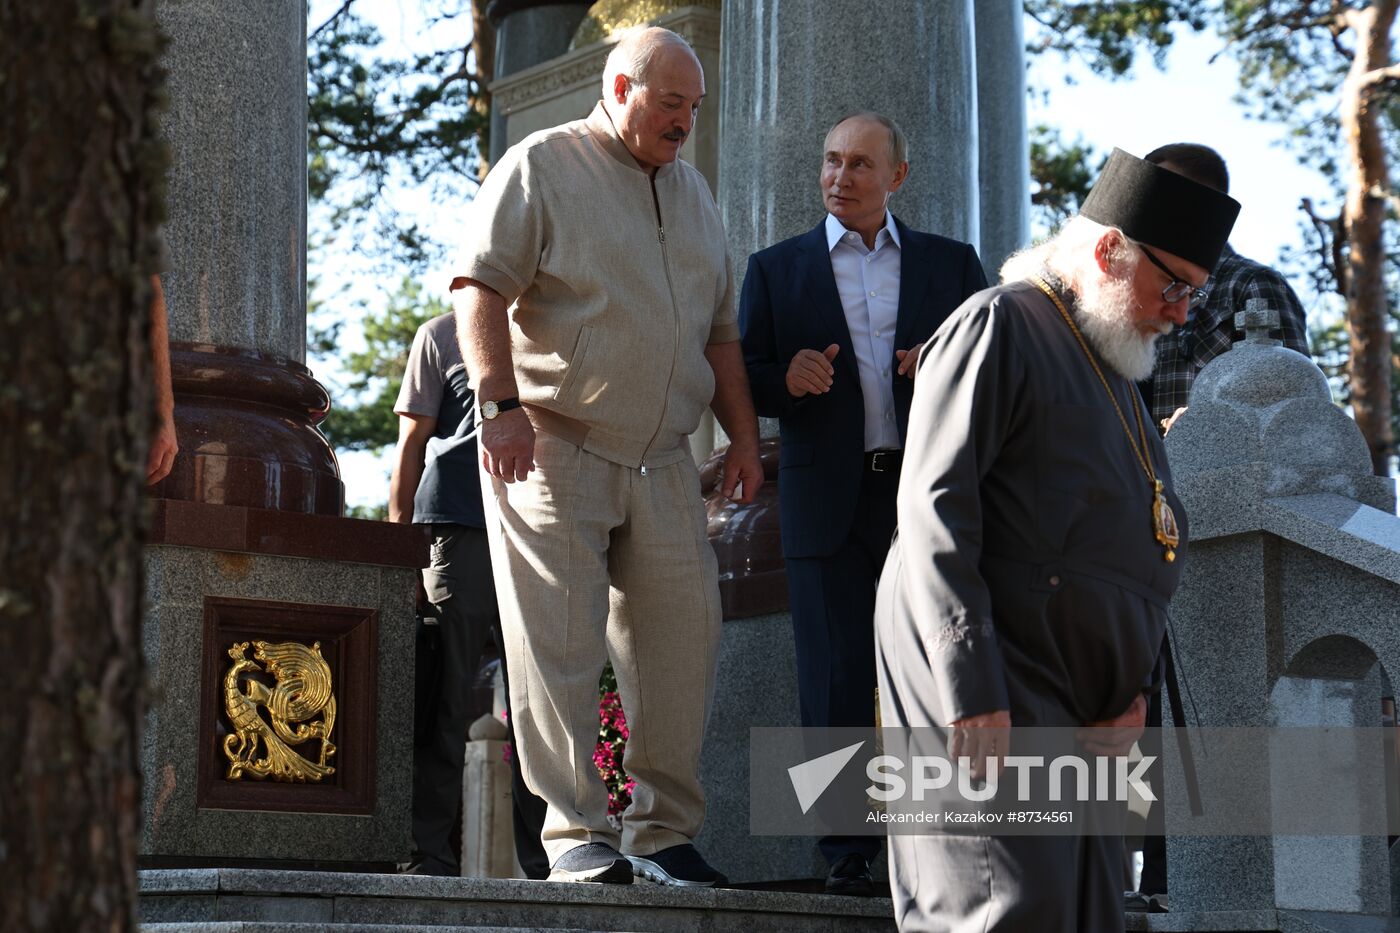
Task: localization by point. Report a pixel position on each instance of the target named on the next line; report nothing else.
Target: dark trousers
(833, 607)
(1010, 884)
(527, 810)
(458, 583)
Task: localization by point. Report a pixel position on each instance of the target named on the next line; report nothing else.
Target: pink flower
(609, 750)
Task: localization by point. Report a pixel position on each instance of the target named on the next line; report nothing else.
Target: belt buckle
(877, 460)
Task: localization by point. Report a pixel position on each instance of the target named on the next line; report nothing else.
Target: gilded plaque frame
(348, 638)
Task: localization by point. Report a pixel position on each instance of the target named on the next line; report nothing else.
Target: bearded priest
(1039, 537)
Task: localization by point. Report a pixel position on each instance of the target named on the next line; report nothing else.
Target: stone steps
(255, 926)
(229, 900)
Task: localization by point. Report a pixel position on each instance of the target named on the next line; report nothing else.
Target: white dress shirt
(868, 282)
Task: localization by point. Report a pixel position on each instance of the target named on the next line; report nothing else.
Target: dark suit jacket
(790, 303)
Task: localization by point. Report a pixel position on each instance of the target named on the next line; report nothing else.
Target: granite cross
(1257, 320)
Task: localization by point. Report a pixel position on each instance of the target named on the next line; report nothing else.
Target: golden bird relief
(303, 691)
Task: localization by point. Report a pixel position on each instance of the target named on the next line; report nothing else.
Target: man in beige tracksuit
(595, 310)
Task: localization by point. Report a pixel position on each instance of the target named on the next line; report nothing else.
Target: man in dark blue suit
(832, 324)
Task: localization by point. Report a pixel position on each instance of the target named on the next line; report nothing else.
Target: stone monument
(527, 32)
(1288, 614)
(278, 633)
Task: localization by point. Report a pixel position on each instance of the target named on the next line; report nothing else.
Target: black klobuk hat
(1162, 208)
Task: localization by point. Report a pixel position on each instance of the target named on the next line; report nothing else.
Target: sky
(402, 23)
(1190, 100)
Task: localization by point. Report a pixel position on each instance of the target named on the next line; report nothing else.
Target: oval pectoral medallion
(1164, 524)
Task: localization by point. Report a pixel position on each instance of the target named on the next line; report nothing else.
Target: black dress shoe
(429, 866)
(1135, 902)
(680, 866)
(850, 876)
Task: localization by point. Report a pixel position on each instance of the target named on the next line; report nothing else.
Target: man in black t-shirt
(436, 482)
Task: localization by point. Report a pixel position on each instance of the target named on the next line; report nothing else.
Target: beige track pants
(581, 534)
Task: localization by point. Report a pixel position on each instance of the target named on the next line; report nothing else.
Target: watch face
(489, 410)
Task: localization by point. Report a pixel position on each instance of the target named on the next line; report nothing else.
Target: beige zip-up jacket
(617, 281)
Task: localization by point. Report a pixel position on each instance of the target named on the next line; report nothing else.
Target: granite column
(790, 71)
(1003, 150)
(236, 290)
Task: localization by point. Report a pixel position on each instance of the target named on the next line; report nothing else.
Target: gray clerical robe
(1025, 576)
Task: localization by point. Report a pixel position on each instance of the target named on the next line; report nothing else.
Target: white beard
(1105, 316)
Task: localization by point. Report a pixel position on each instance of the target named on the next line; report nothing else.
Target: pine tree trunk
(484, 51)
(79, 172)
(1363, 220)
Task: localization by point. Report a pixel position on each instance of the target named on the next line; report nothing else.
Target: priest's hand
(811, 372)
(1114, 738)
(908, 360)
(980, 738)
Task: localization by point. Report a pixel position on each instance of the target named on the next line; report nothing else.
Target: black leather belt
(883, 461)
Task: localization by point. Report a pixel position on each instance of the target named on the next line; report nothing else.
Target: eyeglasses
(1176, 289)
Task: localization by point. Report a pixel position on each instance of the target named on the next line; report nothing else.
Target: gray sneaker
(594, 862)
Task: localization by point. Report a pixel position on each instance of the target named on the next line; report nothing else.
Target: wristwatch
(490, 409)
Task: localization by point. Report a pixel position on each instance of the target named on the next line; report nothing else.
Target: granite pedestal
(219, 576)
(756, 686)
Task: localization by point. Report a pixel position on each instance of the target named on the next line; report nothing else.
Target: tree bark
(80, 176)
(1363, 220)
(484, 52)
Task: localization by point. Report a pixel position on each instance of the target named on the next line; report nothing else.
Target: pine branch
(334, 18)
(1332, 244)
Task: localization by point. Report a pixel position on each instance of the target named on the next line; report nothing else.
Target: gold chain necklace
(1163, 520)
